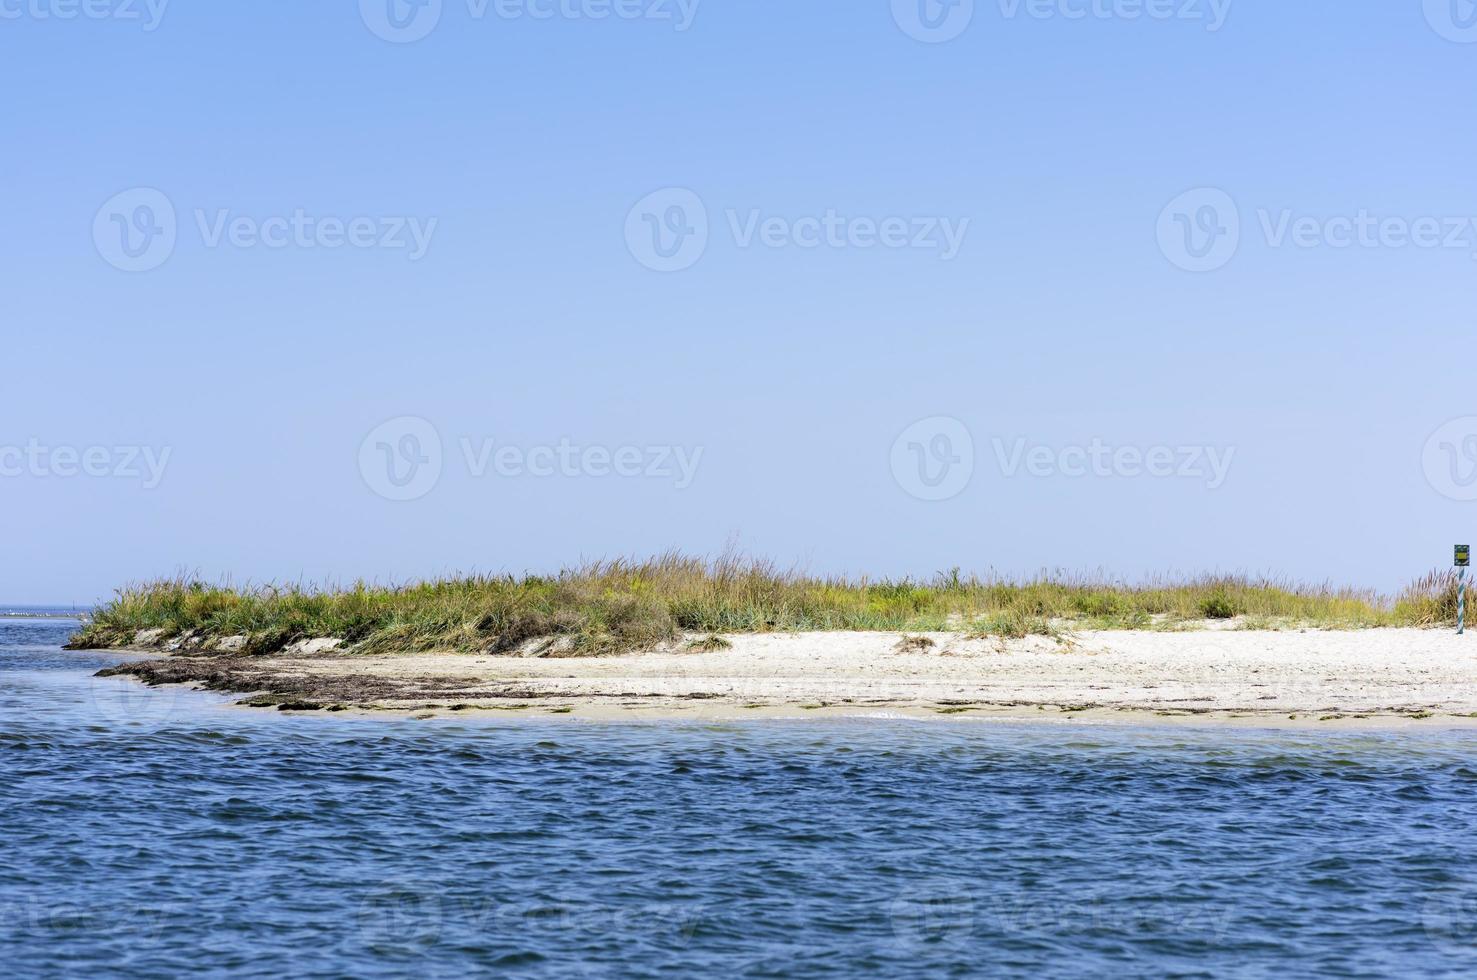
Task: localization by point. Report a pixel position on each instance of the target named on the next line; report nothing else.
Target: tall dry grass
(609, 606)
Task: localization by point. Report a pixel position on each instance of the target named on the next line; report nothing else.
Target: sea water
(162, 832)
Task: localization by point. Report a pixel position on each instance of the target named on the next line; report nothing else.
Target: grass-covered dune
(610, 606)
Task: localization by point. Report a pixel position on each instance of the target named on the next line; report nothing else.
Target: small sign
(1463, 555)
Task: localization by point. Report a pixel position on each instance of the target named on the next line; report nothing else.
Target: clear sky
(874, 287)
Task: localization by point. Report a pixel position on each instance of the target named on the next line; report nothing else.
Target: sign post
(1463, 562)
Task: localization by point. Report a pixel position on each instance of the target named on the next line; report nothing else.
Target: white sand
(1398, 674)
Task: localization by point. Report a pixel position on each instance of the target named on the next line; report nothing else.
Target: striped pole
(1461, 601)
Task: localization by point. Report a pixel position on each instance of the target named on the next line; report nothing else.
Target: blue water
(160, 833)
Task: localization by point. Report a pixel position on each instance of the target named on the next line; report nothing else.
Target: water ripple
(204, 840)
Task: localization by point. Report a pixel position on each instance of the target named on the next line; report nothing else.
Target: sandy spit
(1377, 677)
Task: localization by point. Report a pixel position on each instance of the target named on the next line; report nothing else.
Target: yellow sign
(1463, 555)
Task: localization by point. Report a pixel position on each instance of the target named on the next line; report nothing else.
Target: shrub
(1217, 605)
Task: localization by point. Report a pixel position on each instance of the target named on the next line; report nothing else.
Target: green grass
(610, 606)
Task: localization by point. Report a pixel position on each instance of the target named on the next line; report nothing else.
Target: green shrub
(1217, 605)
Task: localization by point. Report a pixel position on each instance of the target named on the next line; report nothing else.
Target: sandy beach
(1374, 676)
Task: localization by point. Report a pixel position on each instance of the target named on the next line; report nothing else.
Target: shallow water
(156, 833)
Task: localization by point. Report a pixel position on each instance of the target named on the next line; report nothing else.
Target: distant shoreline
(1373, 677)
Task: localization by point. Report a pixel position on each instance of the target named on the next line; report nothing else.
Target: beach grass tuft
(611, 606)
(1218, 605)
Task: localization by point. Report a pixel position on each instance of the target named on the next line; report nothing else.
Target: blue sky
(784, 385)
